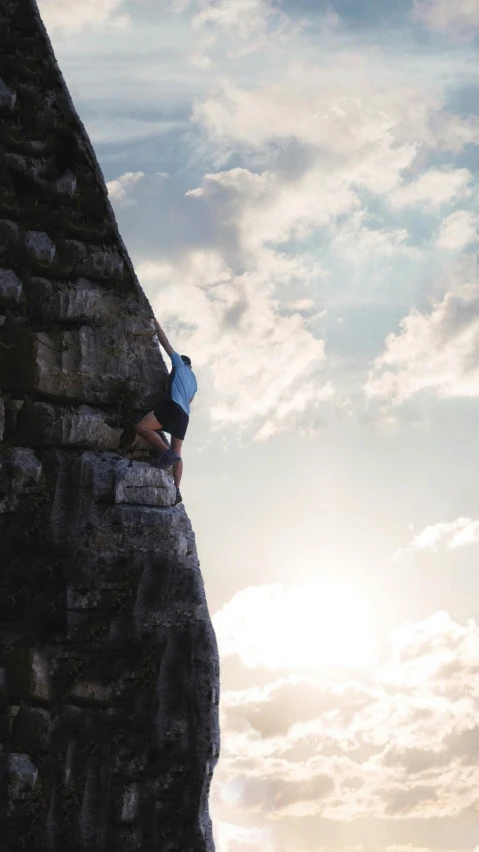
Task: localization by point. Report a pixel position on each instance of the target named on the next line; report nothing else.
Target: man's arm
(163, 339)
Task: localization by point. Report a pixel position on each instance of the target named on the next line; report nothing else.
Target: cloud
(237, 28)
(282, 195)
(383, 126)
(400, 740)
(72, 17)
(240, 17)
(460, 19)
(458, 230)
(265, 366)
(265, 208)
(434, 187)
(120, 189)
(307, 156)
(458, 533)
(436, 351)
(359, 243)
(312, 107)
(236, 838)
(310, 154)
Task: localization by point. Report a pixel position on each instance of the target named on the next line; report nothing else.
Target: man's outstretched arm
(163, 339)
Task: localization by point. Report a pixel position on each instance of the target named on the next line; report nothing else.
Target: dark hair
(186, 360)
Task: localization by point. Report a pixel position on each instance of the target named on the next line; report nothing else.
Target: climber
(172, 414)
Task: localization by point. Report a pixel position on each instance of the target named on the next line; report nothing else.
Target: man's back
(182, 384)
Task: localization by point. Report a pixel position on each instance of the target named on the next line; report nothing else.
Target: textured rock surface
(108, 663)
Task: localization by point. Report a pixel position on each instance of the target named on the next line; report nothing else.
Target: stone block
(91, 692)
(17, 162)
(98, 262)
(9, 235)
(104, 263)
(10, 288)
(144, 485)
(83, 599)
(20, 477)
(22, 775)
(83, 301)
(3, 683)
(39, 247)
(66, 184)
(89, 365)
(7, 719)
(29, 675)
(10, 504)
(4, 474)
(25, 471)
(130, 803)
(132, 842)
(38, 291)
(95, 474)
(8, 97)
(94, 366)
(31, 730)
(44, 425)
(12, 410)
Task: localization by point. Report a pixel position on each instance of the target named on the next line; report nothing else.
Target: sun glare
(308, 625)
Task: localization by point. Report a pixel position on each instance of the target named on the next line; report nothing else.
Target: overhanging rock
(108, 664)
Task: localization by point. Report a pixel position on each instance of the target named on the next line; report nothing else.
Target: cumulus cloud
(265, 208)
(240, 27)
(400, 740)
(267, 368)
(308, 153)
(236, 838)
(452, 534)
(460, 19)
(434, 187)
(458, 230)
(121, 188)
(378, 131)
(435, 351)
(241, 17)
(358, 242)
(308, 157)
(72, 17)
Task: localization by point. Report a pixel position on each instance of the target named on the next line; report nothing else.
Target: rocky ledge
(109, 681)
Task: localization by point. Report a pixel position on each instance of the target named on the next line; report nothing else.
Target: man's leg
(146, 429)
(176, 445)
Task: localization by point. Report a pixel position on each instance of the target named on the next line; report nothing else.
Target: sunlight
(317, 624)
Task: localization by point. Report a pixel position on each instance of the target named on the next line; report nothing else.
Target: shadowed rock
(108, 663)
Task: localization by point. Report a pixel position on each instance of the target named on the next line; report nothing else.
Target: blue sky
(297, 184)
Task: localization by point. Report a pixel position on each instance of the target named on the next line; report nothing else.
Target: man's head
(186, 360)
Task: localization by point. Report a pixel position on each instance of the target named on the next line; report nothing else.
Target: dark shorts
(173, 418)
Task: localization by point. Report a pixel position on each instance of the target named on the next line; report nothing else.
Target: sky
(297, 184)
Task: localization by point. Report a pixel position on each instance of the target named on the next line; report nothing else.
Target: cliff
(108, 664)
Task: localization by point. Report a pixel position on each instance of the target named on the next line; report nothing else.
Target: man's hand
(163, 339)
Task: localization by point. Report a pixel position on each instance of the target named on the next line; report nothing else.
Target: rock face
(108, 664)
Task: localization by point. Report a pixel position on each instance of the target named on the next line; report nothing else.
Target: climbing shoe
(179, 498)
(169, 458)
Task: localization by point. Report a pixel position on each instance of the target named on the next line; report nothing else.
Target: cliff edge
(109, 677)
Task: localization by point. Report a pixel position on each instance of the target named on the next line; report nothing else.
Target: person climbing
(173, 413)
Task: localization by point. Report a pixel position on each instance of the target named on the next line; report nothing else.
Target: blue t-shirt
(182, 383)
